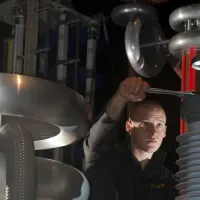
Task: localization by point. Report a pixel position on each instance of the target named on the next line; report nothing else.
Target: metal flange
(182, 42)
(122, 14)
(180, 16)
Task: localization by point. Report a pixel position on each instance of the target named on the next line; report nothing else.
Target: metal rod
(17, 61)
(155, 43)
(77, 14)
(170, 92)
(188, 25)
(45, 8)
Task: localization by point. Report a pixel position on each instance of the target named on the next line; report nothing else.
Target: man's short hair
(134, 106)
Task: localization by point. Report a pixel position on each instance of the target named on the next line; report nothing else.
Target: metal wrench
(179, 94)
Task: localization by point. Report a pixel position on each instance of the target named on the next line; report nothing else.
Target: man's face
(148, 129)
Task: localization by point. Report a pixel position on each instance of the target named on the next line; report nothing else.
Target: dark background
(112, 66)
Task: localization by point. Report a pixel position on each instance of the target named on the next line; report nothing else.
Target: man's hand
(133, 89)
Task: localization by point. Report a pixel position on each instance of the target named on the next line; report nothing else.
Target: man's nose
(151, 129)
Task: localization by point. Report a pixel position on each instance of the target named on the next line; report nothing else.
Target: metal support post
(91, 69)
(62, 65)
(43, 57)
(32, 22)
(91, 65)
(62, 48)
(76, 56)
(17, 58)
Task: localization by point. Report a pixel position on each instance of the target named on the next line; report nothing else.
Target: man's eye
(160, 125)
(142, 124)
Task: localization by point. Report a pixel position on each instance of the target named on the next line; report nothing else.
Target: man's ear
(129, 127)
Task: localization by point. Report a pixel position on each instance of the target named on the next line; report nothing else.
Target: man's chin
(151, 149)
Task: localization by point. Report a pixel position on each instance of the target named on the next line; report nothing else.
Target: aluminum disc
(191, 143)
(195, 185)
(183, 180)
(188, 155)
(55, 181)
(182, 42)
(188, 149)
(193, 160)
(187, 197)
(60, 181)
(188, 167)
(190, 136)
(194, 173)
(189, 192)
(55, 115)
(122, 14)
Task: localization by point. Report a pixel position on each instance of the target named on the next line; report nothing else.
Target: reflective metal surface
(122, 14)
(189, 157)
(180, 94)
(188, 149)
(187, 137)
(54, 114)
(182, 42)
(58, 181)
(189, 173)
(188, 185)
(55, 181)
(147, 62)
(187, 197)
(189, 161)
(180, 16)
(17, 164)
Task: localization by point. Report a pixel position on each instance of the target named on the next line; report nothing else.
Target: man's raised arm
(104, 133)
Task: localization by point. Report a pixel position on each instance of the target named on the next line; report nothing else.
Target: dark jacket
(114, 174)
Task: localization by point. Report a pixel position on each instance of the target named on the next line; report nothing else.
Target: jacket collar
(153, 166)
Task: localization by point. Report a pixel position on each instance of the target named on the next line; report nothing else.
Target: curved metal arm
(132, 46)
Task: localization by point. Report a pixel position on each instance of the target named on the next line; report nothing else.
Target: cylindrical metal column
(17, 58)
(62, 48)
(189, 151)
(188, 74)
(31, 41)
(91, 65)
(62, 64)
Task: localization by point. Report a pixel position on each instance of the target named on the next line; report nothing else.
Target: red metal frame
(187, 80)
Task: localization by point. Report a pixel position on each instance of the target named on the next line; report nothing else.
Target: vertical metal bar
(185, 76)
(9, 57)
(188, 25)
(62, 48)
(91, 65)
(5, 56)
(62, 66)
(30, 57)
(91, 69)
(18, 46)
(76, 56)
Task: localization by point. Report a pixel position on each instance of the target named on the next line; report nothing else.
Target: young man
(135, 172)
